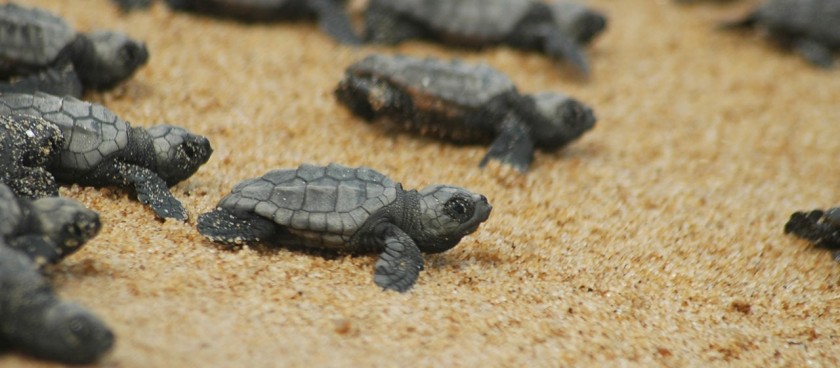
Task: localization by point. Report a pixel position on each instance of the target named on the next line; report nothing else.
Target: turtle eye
(459, 208)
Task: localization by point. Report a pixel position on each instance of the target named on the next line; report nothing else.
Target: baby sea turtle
(822, 228)
(27, 146)
(809, 27)
(46, 229)
(463, 103)
(35, 321)
(40, 50)
(330, 13)
(557, 28)
(100, 149)
(351, 210)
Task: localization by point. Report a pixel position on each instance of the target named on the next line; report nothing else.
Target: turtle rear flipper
(513, 145)
(400, 263)
(224, 226)
(334, 21)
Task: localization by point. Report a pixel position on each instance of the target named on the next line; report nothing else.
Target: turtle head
(66, 223)
(563, 119)
(109, 59)
(448, 213)
(178, 153)
(73, 335)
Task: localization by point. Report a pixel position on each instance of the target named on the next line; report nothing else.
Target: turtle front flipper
(384, 26)
(150, 188)
(400, 263)
(56, 81)
(814, 52)
(820, 228)
(512, 146)
(33, 183)
(229, 228)
(559, 45)
(38, 248)
(334, 21)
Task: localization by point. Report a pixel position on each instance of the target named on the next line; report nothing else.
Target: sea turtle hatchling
(463, 103)
(822, 228)
(46, 229)
(34, 321)
(100, 149)
(330, 14)
(350, 210)
(556, 28)
(39, 50)
(27, 146)
(808, 27)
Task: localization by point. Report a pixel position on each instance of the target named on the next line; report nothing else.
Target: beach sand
(654, 240)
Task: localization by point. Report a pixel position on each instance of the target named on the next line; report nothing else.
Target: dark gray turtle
(821, 228)
(809, 27)
(34, 321)
(463, 103)
(330, 13)
(351, 210)
(28, 145)
(100, 149)
(46, 229)
(556, 28)
(33, 42)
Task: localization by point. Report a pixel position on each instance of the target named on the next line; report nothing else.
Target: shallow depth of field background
(656, 239)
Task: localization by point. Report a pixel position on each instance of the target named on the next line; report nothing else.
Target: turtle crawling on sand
(808, 27)
(463, 103)
(330, 13)
(46, 229)
(39, 51)
(100, 149)
(28, 145)
(35, 322)
(822, 228)
(350, 210)
(556, 28)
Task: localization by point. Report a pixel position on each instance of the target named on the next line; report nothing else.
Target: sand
(654, 240)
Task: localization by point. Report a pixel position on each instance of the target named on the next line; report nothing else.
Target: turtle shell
(481, 20)
(92, 133)
(30, 38)
(434, 83)
(326, 205)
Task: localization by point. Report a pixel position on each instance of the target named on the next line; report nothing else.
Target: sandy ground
(655, 240)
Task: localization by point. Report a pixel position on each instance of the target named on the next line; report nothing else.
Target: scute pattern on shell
(31, 36)
(91, 131)
(466, 84)
(325, 203)
(485, 19)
